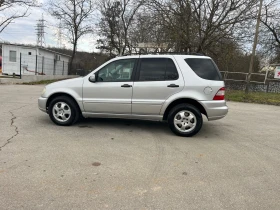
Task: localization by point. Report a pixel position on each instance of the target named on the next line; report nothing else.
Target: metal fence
(33, 65)
(259, 82)
(39, 65)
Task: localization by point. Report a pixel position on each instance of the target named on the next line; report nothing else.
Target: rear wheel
(185, 120)
(64, 111)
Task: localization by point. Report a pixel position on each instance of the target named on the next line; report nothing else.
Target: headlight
(43, 92)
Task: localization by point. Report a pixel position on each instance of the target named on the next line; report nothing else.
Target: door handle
(173, 86)
(126, 86)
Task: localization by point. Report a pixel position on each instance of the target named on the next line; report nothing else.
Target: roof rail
(165, 53)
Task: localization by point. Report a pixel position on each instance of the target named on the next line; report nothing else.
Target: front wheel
(185, 120)
(63, 111)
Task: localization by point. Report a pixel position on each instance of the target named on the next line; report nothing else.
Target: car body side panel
(107, 97)
(149, 96)
(198, 89)
(72, 87)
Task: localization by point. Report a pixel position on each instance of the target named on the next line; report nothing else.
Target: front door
(112, 91)
(157, 79)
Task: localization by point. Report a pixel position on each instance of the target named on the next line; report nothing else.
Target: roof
(165, 53)
(162, 55)
(53, 51)
(35, 47)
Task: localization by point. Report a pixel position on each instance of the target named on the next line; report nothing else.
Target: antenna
(40, 31)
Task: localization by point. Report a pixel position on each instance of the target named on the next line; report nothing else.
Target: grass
(254, 97)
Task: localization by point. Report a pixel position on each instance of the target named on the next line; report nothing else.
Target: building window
(13, 56)
(29, 53)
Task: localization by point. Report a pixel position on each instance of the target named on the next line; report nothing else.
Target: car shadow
(121, 123)
(208, 130)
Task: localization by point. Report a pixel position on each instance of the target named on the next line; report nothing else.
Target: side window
(13, 56)
(157, 69)
(120, 70)
(171, 70)
(204, 68)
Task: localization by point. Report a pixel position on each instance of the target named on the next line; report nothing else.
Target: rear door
(157, 79)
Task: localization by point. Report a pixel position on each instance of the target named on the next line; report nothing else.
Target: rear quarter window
(205, 68)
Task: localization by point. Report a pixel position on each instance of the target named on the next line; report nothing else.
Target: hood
(73, 87)
(66, 83)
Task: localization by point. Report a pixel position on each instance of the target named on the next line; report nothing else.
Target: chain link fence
(259, 82)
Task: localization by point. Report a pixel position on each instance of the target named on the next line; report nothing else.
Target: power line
(40, 31)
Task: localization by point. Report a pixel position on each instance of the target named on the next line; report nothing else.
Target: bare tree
(116, 22)
(14, 9)
(218, 28)
(149, 28)
(198, 24)
(75, 16)
(270, 33)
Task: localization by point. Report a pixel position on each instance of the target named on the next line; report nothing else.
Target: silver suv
(173, 88)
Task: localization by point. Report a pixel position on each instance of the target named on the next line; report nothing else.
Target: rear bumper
(42, 104)
(215, 109)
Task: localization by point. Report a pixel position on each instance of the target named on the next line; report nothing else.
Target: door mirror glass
(92, 78)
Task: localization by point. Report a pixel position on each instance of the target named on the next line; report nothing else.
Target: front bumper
(215, 109)
(42, 104)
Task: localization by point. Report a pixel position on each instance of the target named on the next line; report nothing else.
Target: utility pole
(40, 31)
(254, 48)
(59, 40)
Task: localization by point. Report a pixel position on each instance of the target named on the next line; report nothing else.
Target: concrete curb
(34, 78)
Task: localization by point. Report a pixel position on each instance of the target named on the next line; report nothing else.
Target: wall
(46, 63)
(35, 78)
(9, 67)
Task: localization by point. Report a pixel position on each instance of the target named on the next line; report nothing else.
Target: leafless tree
(14, 9)
(75, 16)
(116, 22)
(218, 28)
(198, 24)
(270, 30)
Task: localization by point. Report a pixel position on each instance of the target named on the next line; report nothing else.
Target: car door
(157, 79)
(111, 93)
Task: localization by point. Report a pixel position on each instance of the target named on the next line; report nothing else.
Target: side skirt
(123, 116)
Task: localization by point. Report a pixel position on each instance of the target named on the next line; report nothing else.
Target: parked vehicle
(173, 88)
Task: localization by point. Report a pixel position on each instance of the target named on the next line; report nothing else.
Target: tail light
(220, 95)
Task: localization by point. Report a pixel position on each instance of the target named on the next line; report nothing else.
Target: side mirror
(92, 78)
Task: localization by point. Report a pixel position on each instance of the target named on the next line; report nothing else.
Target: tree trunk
(72, 57)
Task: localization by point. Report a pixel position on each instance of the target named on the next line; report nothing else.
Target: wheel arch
(182, 101)
(54, 95)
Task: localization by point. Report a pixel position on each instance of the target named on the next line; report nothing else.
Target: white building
(32, 60)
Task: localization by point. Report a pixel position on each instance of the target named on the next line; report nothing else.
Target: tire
(185, 120)
(64, 111)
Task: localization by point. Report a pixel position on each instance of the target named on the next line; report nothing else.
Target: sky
(22, 31)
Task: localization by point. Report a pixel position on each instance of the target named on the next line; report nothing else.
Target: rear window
(204, 68)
